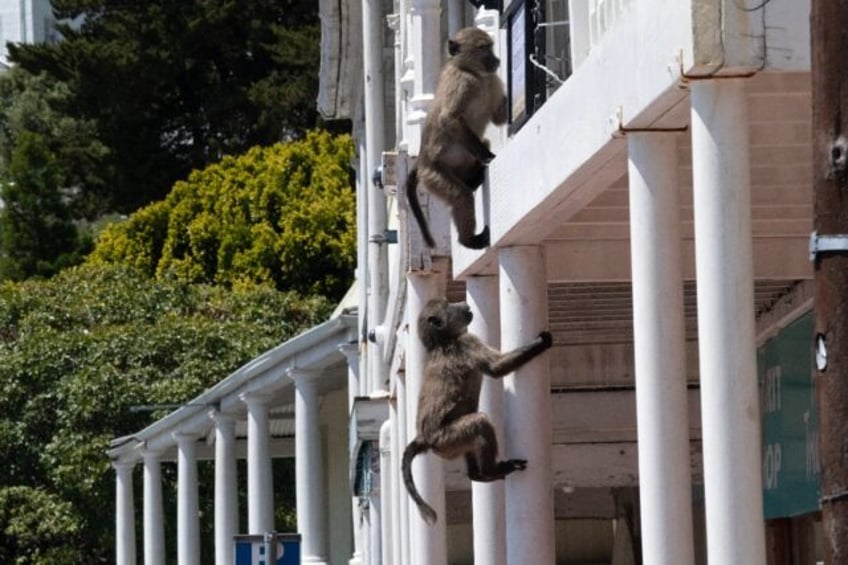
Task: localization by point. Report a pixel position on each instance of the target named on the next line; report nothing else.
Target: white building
(25, 21)
(651, 205)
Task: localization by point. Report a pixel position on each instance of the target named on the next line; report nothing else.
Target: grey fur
(453, 156)
(449, 422)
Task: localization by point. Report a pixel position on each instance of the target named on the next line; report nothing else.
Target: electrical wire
(760, 6)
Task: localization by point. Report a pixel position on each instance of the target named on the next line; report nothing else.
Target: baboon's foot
(479, 241)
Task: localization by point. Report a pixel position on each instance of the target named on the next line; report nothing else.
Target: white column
(188, 523)
(729, 400)
(386, 526)
(260, 485)
(375, 531)
(404, 506)
(428, 543)
(527, 410)
(226, 487)
(665, 489)
(309, 469)
(124, 513)
(396, 485)
(154, 516)
(488, 498)
(351, 353)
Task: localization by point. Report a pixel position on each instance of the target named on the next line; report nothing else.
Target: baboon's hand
(547, 339)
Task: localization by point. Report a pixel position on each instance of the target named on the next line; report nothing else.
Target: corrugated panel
(603, 312)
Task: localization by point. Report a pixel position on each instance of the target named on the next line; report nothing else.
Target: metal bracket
(827, 244)
(617, 121)
(388, 236)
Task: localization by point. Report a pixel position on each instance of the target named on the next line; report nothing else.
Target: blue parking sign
(250, 550)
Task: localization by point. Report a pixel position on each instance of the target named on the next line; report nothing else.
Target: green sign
(790, 421)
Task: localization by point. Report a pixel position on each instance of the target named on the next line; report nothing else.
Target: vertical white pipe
(124, 514)
(527, 410)
(154, 517)
(373, 29)
(660, 351)
(386, 493)
(260, 487)
(188, 521)
(456, 16)
(309, 469)
(723, 251)
(428, 543)
(362, 197)
(487, 499)
(226, 488)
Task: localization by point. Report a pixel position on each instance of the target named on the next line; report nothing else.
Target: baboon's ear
(435, 321)
(453, 47)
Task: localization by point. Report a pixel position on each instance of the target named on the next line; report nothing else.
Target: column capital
(185, 438)
(222, 419)
(350, 351)
(122, 465)
(151, 455)
(300, 376)
(255, 398)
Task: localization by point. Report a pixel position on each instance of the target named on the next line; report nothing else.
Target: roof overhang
(315, 350)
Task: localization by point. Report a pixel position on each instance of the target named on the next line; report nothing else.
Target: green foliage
(82, 348)
(38, 527)
(282, 215)
(173, 86)
(37, 236)
(42, 105)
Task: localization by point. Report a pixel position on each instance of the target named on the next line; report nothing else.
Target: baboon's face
(471, 49)
(441, 321)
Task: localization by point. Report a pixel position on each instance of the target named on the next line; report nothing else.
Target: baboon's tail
(415, 206)
(414, 448)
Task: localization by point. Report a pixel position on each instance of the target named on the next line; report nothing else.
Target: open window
(538, 55)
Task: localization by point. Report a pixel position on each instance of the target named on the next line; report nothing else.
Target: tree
(174, 86)
(282, 215)
(39, 104)
(78, 351)
(37, 236)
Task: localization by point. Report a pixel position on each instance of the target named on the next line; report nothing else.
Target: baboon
(448, 420)
(452, 159)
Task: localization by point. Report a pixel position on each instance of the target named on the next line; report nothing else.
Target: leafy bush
(82, 348)
(282, 215)
(37, 527)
